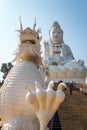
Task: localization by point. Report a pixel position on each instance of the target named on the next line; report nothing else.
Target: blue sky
(71, 15)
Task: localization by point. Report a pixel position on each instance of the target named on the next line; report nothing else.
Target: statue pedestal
(67, 75)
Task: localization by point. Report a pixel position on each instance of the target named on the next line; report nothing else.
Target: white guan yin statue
(32, 110)
(58, 55)
(56, 50)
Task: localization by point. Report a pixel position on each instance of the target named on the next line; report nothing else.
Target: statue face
(56, 35)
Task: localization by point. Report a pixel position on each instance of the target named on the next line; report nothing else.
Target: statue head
(56, 33)
(29, 47)
(29, 35)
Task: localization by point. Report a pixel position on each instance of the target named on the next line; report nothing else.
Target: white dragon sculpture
(16, 108)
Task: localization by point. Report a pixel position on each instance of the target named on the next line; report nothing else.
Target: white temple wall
(78, 77)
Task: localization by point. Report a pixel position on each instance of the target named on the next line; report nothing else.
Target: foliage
(54, 63)
(5, 67)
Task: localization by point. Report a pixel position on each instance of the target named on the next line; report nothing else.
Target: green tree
(5, 67)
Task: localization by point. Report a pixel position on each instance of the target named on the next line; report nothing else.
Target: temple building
(59, 58)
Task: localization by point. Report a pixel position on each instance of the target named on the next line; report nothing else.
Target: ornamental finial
(34, 24)
(21, 28)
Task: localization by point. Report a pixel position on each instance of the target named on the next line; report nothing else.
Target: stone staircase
(56, 122)
(73, 112)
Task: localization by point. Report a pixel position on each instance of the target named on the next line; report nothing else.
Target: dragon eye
(37, 37)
